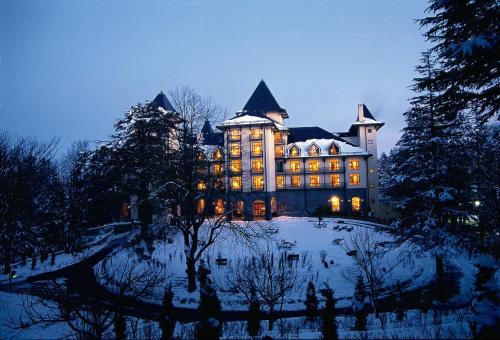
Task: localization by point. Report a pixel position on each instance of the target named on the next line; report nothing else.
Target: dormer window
(313, 150)
(333, 150)
(294, 151)
(217, 155)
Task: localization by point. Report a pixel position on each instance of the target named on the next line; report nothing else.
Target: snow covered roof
(368, 121)
(245, 120)
(324, 144)
(161, 101)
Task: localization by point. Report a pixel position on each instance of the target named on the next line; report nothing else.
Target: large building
(272, 169)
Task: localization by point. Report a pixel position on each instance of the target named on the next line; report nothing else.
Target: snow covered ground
(309, 242)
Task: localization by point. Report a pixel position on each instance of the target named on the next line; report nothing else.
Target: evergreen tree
(210, 325)
(167, 322)
(329, 324)
(358, 305)
(311, 301)
(253, 323)
(466, 41)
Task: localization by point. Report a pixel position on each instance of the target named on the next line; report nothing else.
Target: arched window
(217, 155)
(335, 203)
(356, 203)
(219, 207)
(294, 151)
(238, 208)
(200, 207)
(333, 149)
(259, 208)
(200, 156)
(313, 150)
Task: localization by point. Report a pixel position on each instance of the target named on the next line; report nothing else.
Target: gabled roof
(300, 134)
(161, 100)
(262, 101)
(207, 128)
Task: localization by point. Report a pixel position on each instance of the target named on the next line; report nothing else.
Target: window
(370, 141)
(234, 134)
(278, 138)
(353, 164)
(335, 180)
(354, 179)
(255, 133)
(236, 183)
(295, 181)
(238, 208)
(372, 171)
(280, 182)
(200, 207)
(294, 151)
(219, 183)
(333, 150)
(334, 165)
(314, 165)
(258, 182)
(356, 203)
(294, 166)
(314, 181)
(279, 166)
(369, 130)
(236, 166)
(201, 185)
(217, 155)
(257, 165)
(313, 150)
(278, 152)
(235, 149)
(259, 208)
(200, 156)
(217, 169)
(335, 202)
(257, 149)
(219, 207)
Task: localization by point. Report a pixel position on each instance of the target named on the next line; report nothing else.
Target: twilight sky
(70, 68)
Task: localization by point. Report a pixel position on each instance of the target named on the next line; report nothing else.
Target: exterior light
(477, 203)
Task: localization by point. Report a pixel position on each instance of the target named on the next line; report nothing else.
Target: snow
(246, 120)
(324, 144)
(368, 121)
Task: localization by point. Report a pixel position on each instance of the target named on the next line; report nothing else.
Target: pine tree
(465, 38)
(358, 305)
(311, 301)
(253, 323)
(209, 309)
(329, 324)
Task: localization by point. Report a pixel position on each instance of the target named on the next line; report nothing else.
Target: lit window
(278, 152)
(353, 164)
(372, 171)
(256, 133)
(235, 149)
(200, 207)
(354, 179)
(219, 207)
(277, 138)
(334, 165)
(217, 155)
(200, 156)
(218, 169)
(313, 150)
(335, 202)
(335, 180)
(259, 208)
(294, 151)
(280, 182)
(234, 134)
(238, 208)
(257, 149)
(294, 166)
(314, 165)
(257, 165)
(333, 150)
(295, 180)
(236, 165)
(236, 183)
(258, 182)
(201, 185)
(314, 181)
(356, 203)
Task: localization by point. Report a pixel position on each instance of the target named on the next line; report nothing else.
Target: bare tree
(269, 274)
(366, 250)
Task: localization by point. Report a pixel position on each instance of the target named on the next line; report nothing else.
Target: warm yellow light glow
(218, 169)
(280, 182)
(335, 180)
(217, 155)
(313, 150)
(295, 181)
(236, 183)
(235, 149)
(354, 179)
(314, 165)
(294, 151)
(294, 166)
(277, 138)
(353, 164)
(334, 165)
(219, 207)
(278, 152)
(356, 203)
(235, 134)
(258, 182)
(201, 185)
(314, 181)
(257, 165)
(256, 133)
(335, 202)
(256, 148)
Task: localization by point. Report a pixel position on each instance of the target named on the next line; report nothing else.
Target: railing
(259, 137)
(303, 186)
(321, 170)
(254, 154)
(235, 154)
(257, 171)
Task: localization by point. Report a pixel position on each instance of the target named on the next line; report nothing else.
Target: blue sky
(71, 68)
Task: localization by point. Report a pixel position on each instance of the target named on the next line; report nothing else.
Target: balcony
(308, 186)
(256, 137)
(321, 170)
(257, 171)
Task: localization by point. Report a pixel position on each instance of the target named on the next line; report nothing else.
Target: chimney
(361, 112)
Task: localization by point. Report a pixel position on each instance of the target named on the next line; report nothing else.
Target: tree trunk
(191, 274)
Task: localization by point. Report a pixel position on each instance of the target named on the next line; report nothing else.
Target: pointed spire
(207, 128)
(363, 113)
(161, 100)
(262, 101)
